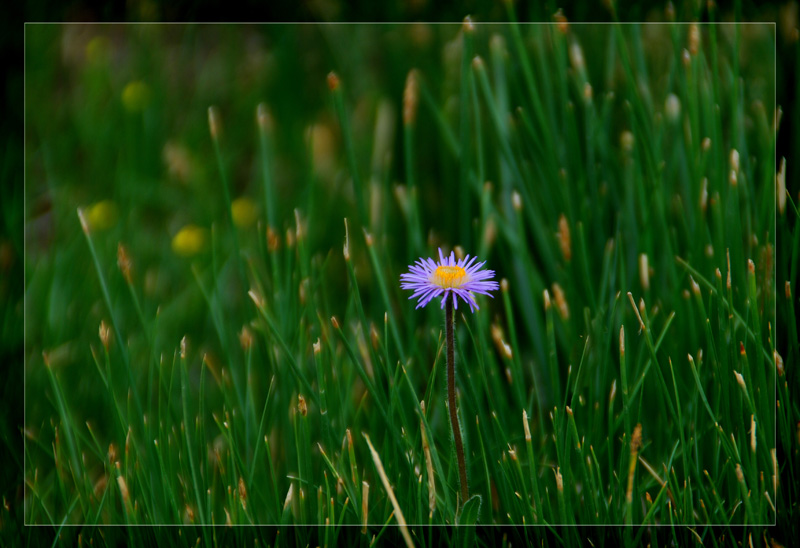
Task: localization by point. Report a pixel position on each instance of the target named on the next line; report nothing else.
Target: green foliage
(620, 179)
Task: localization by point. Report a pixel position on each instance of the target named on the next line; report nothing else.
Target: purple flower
(460, 278)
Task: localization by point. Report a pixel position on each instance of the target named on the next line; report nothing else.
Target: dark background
(784, 14)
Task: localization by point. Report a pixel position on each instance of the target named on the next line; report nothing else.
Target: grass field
(217, 218)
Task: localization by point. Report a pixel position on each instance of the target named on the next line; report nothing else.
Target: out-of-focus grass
(620, 178)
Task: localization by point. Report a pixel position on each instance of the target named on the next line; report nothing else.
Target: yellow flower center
(449, 277)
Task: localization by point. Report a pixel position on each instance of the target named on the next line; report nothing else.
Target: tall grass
(264, 367)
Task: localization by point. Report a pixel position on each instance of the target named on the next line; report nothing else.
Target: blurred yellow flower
(190, 240)
(102, 215)
(136, 96)
(243, 211)
(97, 50)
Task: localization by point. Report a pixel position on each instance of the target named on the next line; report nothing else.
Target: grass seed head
(561, 301)
(411, 98)
(562, 24)
(124, 263)
(300, 226)
(333, 81)
(346, 248)
(243, 493)
(84, 221)
(516, 201)
(301, 405)
(273, 240)
(364, 506)
(564, 239)
(214, 122)
(188, 515)
(735, 160)
(740, 380)
(672, 108)
(105, 334)
(123, 489)
(694, 39)
(245, 338)
(780, 186)
(686, 58)
(728, 279)
(576, 57)
(588, 93)
(525, 426)
(644, 272)
(264, 118)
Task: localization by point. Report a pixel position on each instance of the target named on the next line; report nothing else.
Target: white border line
(773, 24)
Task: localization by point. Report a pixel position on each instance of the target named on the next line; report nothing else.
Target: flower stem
(451, 399)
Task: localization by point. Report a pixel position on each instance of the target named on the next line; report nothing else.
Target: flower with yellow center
(462, 278)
